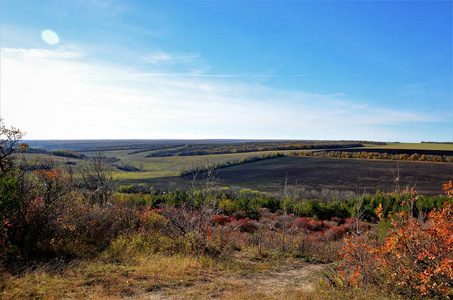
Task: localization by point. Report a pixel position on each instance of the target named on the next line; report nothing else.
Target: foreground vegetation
(73, 235)
(414, 257)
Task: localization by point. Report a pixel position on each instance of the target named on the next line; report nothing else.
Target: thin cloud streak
(161, 57)
(61, 52)
(211, 75)
(177, 65)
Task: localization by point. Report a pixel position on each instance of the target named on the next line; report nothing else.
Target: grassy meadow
(414, 146)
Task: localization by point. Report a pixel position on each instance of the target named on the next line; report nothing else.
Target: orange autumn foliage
(53, 175)
(415, 257)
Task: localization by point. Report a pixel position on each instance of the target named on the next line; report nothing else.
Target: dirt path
(297, 277)
(301, 276)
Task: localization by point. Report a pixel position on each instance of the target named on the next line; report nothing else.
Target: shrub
(247, 225)
(415, 257)
(227, 206)
(336, 232)
(220, 220)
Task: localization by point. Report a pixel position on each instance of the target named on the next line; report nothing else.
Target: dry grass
(156, 276)
(95, 278)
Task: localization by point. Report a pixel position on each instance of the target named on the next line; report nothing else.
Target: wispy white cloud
(189, 65)
(170, 63)
(170, 58)
(56, 94)
(61, 52)
(212, 75)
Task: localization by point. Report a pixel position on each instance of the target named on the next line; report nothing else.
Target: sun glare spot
(50, 37)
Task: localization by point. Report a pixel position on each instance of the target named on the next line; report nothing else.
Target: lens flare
(50, 37)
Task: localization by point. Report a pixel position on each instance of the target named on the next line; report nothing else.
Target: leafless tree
(97, 181)
(192, 219)
(9, 198)
(55, 182)
(199, 183)
(396, 179)
(9, 143)
(358, 214)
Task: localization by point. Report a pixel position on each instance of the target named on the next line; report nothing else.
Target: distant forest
(209, 149)
(208, 146)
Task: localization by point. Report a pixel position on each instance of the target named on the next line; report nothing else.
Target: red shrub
(247, 225)
(335, 232)
(302, 222)
(316, 236)
(315, 225)
(221, 220)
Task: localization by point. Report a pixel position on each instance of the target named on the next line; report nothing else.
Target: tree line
(375, 155)
(213, 148)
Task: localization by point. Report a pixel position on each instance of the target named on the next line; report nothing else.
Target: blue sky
(374, 70)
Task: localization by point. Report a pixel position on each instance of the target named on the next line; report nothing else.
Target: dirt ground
(343, 174)
(356, 175)
(298, 277)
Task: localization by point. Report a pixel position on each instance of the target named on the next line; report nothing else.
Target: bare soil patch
(297, 277)
(343, 174)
